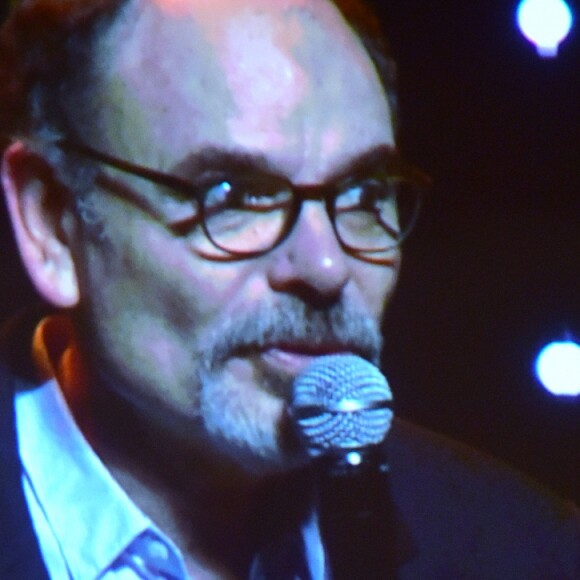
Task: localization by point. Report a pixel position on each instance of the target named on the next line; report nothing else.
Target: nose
(310, 263)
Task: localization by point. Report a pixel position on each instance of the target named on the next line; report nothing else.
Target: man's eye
(242, 195)
(369, 195)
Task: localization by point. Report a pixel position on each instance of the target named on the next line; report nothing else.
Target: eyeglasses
(246, 214)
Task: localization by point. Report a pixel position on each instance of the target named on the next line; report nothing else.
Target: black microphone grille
(341, 402)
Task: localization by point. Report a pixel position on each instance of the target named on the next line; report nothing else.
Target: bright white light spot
(558, 368)
(545, 23)
(354, 458)
(349, 406)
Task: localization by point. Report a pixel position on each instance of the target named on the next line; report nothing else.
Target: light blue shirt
(87, 526)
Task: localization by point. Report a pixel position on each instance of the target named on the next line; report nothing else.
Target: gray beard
(241, 420)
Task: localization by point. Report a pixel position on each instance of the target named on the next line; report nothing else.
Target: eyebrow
(379, 157)
(242, 162)
(219, 160)
(216, 159)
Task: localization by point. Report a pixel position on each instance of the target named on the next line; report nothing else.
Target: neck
(215, 513)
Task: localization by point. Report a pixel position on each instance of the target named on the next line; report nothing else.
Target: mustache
(292, 322)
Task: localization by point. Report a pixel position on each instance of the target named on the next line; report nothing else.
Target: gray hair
(48, 63)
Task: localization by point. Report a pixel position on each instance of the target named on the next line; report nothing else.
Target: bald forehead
(224, 8)
(207, 34)
(216, 17)
(280, 76)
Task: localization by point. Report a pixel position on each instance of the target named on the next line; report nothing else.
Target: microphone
(341, 410)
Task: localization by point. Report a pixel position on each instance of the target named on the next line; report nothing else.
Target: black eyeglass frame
(300, 193)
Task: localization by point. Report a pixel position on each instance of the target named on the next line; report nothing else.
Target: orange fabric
(56, 355)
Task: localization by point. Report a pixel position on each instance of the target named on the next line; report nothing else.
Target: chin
(249, 428)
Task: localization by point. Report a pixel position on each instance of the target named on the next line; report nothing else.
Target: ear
(38, 211)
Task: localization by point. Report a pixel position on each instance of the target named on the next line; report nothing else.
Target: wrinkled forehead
(248, 69)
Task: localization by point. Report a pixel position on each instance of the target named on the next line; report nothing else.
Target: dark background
(493, 270)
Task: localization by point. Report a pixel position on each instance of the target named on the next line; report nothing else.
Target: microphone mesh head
(341, 402)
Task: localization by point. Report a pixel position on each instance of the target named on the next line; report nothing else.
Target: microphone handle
(356, 515)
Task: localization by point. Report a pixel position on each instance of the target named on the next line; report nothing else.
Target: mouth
(274, 364)
(292, 359)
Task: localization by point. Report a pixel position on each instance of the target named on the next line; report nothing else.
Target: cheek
(376, 285)
(144, 276)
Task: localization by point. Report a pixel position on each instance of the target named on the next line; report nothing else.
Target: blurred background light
(545, 23)
(558, 368)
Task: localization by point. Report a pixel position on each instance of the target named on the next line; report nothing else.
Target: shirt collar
(64, 471)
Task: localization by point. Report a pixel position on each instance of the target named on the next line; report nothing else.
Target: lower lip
(289, 362)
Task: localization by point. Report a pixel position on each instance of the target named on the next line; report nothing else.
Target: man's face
(201, 344)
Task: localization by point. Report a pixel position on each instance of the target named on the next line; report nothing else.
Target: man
(194, 188)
